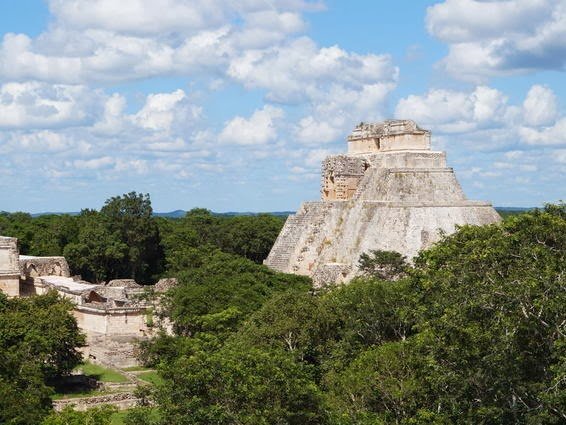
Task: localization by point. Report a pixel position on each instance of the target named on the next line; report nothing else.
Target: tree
(250, 236)
(52, 233)
(130, 218)
(98, 254)
(491, 305)
(69, 416)
(239, 385)
(39, 338)
(473, 334)
(223, 290)
(386, 265)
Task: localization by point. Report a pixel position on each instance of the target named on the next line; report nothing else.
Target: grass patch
(118, 418)
(101, 373)
(151, 377)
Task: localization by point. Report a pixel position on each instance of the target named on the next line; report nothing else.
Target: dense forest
(470, 332)
(125, 240)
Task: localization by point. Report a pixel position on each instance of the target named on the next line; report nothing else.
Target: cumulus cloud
(105, 40)
(40, 105)
(452, 111)
(174, 16)
(258, 129)
(540, 106)
(483, 119)
(488, 38)
(300, 70)
(161, 110)
(552, 135)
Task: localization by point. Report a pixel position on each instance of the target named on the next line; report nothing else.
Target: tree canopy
(473, 333)
(39, 338)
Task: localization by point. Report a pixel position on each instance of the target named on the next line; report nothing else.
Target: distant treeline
(125, 239)
(503, 211)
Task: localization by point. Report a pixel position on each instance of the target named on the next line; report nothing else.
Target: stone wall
(115, 321)
(31, 266)
(391, 135)
(122, 401)
(9, 271)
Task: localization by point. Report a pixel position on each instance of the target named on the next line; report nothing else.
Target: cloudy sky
(232, 104)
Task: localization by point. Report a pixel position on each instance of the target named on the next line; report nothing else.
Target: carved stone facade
(341, 175)
(390, 192)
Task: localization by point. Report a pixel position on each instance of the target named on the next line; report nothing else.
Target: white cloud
(259, 129)
(488, 38)
(553, 135)
(95, 163)
(540, 106)
(160, 110)
(112, 120)
(300, 70)
(312, 131)
(176, 16)
(452, 111)
(39, 105)
(483, 120)
(107, 41)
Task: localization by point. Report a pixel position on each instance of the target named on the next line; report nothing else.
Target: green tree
(239, 385)
(98, 254)
(69, 416)
(386, 265)
(250, 236)
(52, 233)
(222, 291)
(473, 334)
(491, 305)
(39, 338)
(130, 218)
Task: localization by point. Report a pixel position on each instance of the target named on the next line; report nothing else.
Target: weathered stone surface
(163, 285)
(121, 400)
(123, 283)
(391, 192)
(9, 270)
(31, 266)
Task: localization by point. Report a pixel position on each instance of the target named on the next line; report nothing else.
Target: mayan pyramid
(389, 192)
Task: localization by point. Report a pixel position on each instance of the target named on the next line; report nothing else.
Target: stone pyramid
(389, 192)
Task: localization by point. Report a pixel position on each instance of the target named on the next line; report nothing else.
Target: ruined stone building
(113, 315)
(389, 192)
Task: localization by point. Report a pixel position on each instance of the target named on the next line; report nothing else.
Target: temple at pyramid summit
(389, 192)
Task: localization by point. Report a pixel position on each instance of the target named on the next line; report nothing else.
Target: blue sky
(232, 104)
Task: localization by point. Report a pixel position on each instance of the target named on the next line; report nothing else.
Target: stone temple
(389, 192)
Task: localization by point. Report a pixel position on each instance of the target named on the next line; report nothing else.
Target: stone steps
(293, 231)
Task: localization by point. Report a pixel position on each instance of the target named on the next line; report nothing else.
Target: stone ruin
(9, 268)
(389, 192)
(113, 316)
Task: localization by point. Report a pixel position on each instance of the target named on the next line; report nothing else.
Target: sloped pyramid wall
(403, 203)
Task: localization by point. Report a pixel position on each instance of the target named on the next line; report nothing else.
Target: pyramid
(389, 192)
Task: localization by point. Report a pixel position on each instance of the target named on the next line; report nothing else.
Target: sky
(231, 105)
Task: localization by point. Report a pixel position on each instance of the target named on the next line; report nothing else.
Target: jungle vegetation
(470, 332)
